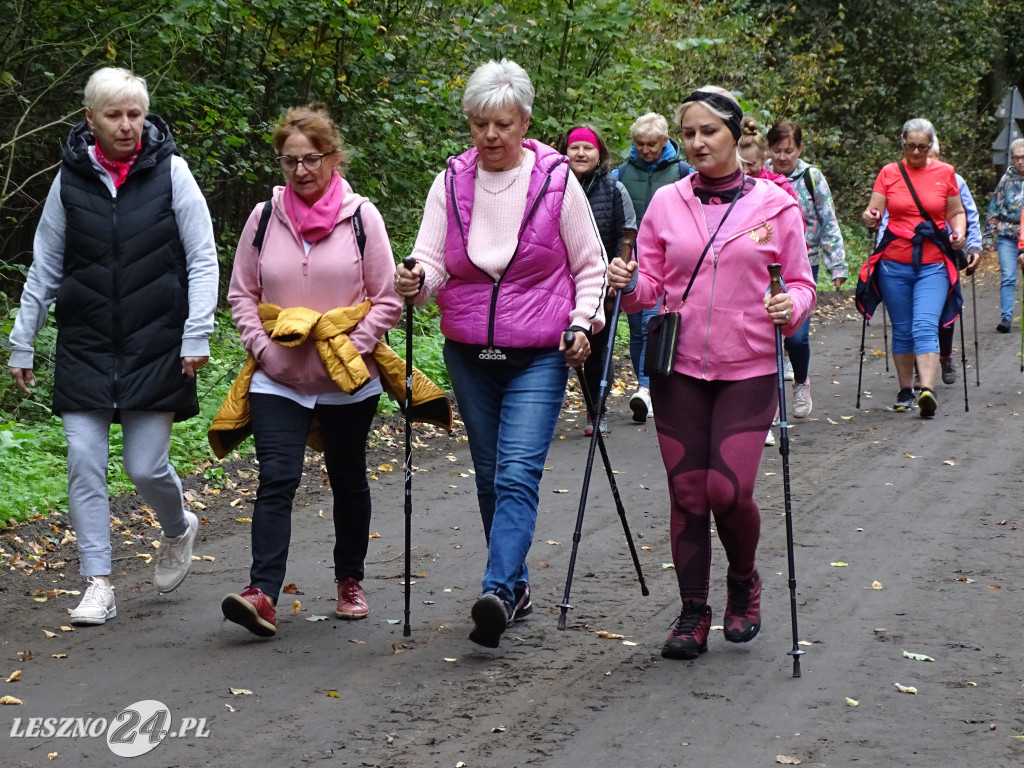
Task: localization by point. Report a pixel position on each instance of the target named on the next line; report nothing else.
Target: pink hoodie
(331, 275)
(726, 332)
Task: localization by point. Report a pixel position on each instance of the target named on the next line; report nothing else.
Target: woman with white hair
(125, 246)
(913, 268)
(509, 245)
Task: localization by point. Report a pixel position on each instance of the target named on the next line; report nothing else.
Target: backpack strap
(357, 225)
(261, 229)
(808, 179)
(684, 169)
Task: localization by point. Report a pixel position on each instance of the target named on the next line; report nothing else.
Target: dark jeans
(279, 429)
(594, 367)
(799, 344)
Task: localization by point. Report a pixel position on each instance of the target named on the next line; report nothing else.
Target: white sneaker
(97, 606)
(802, 400)
(769, 441)
(787, 369)
(175, 556)
(778, 417)
(640, 404)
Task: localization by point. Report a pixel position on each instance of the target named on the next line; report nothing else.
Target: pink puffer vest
(529, 305)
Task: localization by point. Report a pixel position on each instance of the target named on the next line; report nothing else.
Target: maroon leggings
(711, 435)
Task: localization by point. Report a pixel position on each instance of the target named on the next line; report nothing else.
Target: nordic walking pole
(597, 440)
(1022, 322)
(775, 270)
(860, 368)
(885, 336)
(974, 310)
(963, 362)
(408, 262)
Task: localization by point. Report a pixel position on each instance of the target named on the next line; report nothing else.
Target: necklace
(508, 186)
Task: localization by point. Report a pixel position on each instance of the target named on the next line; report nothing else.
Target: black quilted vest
(123, 299)
(606, 202)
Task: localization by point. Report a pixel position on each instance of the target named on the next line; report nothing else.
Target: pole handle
(409, 263)
(569, 337)
(775, 271)
(628, 241)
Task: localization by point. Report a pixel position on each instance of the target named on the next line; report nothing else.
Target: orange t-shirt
(934, 184)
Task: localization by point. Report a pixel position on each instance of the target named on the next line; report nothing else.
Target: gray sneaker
(97, 606)
(174, 557)
(802, 402)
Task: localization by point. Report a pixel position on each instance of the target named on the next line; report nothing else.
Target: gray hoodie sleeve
(196, 232)
(44, 277)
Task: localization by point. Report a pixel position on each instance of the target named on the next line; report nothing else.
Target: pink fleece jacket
(726, 332)
(331, 275)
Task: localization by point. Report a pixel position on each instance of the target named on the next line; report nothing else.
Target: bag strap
(357, 225)
(261, 229)
(707, 247)
(913, 194)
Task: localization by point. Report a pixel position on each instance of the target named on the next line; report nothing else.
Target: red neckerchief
(117, 169)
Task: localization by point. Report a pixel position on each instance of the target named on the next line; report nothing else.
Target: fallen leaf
(846, 418)
(554, 543)
(398, 648)
(291, 589)
(542, 564)
(230, 708)
(609, 635)
(67, 629)
(237, 503)
(240, 691)
(48, 633)
(40, 599)
(357, 641)
(949, 463)
(498, 729)
(993, 586)
(334, 694)
(628, 642)
(375, 535)
(146, 558)
(52, 755)
(905, 688)
(58, 655)
(805, 642)
(851, 702)
(909, 455)
(316, 618)
(965, 579)
(243, 519)
(561, 490)
(385, 468)
(830, 421)
(769, 474)
(449, 659)
(666, 566)
(645, 549)
(877, 585)
(840, 564)
(881, 631)
(394, 621)
(9, 700)
(787, 760)
(208, 558)
(296, 607)
(428, 602)
(24, 655)
(717, 628)
(917, 656)
(15, 676)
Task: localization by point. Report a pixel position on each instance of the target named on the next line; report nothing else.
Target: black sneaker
(948, 371)
(689, 636)
(927, 403)
(904, 400)
(491, 615)
(1004, 326)
(523, 606)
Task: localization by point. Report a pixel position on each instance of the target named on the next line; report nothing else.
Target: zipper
(115, 294)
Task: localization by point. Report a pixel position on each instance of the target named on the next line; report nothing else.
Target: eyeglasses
(310, 162)
(916, 147)
(1017, 158)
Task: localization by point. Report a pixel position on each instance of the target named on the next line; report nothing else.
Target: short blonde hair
(652, 125)
(113, 84)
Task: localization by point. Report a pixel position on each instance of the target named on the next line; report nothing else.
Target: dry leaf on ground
(905, 688)
(787, 760)
(9, 700)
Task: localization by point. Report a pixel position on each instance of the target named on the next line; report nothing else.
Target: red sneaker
(689, 636)
(743, 609)
(252, 609)
(351, 599)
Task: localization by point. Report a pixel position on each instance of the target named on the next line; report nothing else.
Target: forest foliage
(221, 72)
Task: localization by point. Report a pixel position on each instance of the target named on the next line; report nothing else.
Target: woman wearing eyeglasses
(1003, 230)
(308, 262)
(912, 269)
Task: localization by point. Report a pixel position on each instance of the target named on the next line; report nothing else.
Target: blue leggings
(914, 299)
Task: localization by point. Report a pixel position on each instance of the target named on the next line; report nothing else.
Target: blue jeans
(510, 416)
(915, 300)
(799, 344)
(638, 343)
(1008, 270)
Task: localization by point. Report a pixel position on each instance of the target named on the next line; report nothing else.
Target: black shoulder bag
(663, 329)
(942, 240)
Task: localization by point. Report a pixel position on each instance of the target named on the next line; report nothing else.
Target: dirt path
(930, 510)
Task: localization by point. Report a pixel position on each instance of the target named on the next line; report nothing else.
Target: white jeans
(147, 443)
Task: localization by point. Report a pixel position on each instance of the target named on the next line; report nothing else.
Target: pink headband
(582, 134)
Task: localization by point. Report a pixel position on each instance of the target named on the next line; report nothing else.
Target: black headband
(722, 104)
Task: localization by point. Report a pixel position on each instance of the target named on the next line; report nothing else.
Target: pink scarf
(315, 222)
(117, 169)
